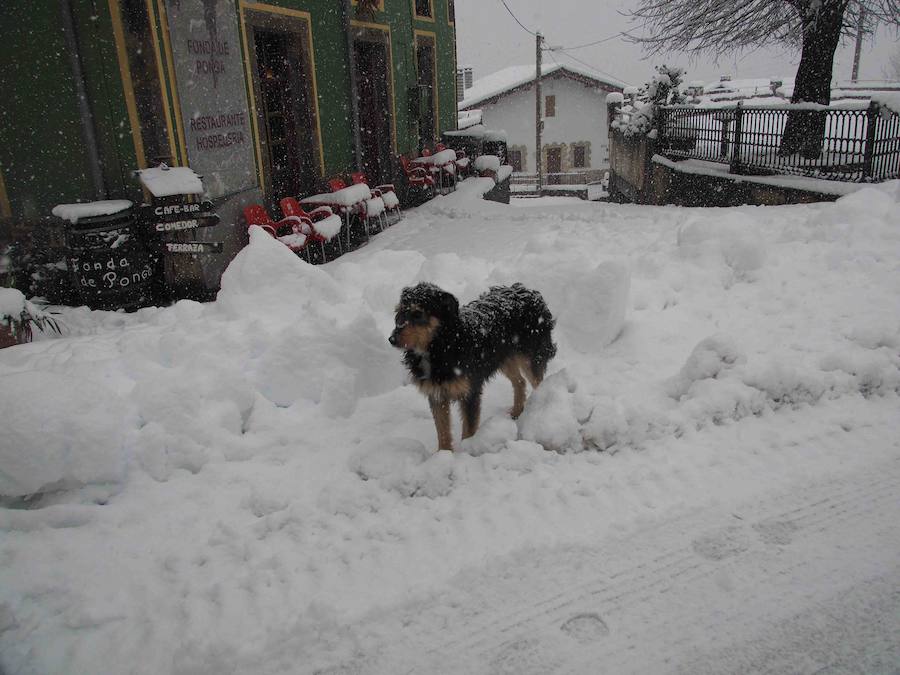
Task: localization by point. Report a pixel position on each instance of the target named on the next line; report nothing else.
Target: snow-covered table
(439, 163)
(345, 201)
(441, 158)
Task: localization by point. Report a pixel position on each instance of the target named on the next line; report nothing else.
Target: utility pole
(538, 123)
(859, 38)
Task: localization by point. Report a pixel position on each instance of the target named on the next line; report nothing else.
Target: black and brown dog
(452, 351)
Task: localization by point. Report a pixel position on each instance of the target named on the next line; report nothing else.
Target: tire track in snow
(507, 629)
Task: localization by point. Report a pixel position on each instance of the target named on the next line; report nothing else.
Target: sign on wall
(210, 79)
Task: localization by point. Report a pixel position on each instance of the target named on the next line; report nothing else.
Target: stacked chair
(385, 192)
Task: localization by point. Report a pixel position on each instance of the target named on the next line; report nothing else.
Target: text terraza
(186, 247)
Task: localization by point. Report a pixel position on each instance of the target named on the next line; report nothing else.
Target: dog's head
(423, 309)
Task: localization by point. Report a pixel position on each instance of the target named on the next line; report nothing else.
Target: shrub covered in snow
(664, 88)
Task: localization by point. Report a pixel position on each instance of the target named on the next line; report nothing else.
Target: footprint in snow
(722, 544)
(585, 628)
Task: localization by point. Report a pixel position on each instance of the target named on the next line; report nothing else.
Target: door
(374, 105)
(554, 165)
(425, 66)
(284, 112)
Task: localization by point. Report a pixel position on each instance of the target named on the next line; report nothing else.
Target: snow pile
(549, 418)
(59, 433)
(735, 242)
(485, 163)
(323, 347)
(12, 303)
(504, 172)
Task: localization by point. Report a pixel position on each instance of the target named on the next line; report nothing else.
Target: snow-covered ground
(706, 482)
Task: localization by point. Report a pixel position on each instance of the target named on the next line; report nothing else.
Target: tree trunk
(805, 130)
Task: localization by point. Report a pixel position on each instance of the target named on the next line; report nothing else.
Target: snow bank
(59, 432)
(326, 348)
(734, 240)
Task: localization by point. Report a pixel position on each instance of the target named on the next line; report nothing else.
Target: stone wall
(630, 174)
(636, 178)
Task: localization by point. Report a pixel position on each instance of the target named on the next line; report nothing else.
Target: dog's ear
(449, 304)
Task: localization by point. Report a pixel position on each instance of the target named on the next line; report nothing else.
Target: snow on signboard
(74, 212)
(166, 181)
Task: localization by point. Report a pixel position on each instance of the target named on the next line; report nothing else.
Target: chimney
(463, 82)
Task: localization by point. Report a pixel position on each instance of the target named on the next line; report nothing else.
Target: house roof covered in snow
(746, 88)
(510, 79)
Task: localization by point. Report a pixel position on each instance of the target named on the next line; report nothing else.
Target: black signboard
(202, 220)
(164, 213)
(174, 218)
(112, 267)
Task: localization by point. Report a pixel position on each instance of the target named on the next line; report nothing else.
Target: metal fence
(860, 144)
(565, 178)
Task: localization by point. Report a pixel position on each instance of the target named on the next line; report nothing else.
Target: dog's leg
(511, 369)
(440, 410)
(470, 410)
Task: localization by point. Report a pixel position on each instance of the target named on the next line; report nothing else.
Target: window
(423, 9)
(451, 11)
(515, 160)
(550, 106)
(579, 156)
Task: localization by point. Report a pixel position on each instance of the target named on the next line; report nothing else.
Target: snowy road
(805, 581)
(707, 481)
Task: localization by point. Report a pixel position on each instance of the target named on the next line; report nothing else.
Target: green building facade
(262, 99)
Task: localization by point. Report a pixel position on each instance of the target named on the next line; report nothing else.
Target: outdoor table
(439, 162)
(438, 159)
(343, 200)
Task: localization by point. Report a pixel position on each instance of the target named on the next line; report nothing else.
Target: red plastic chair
(386, 191)
(256, 214)
(364, 209)
(417, 178)
(438, 172)
(463, 163)
(335, 184)
(290, 207)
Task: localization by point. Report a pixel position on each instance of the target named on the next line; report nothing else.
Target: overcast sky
(489, 39)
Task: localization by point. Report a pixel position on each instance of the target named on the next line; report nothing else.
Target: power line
(503, 2)
(591, 44)
(588, 65)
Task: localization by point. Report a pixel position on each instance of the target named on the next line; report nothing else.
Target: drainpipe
(88, 129)
(346, 10)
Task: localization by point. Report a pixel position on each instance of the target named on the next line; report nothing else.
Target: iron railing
(860, 144)
(564, 178)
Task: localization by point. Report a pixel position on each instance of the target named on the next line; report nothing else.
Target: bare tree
(722, 26)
